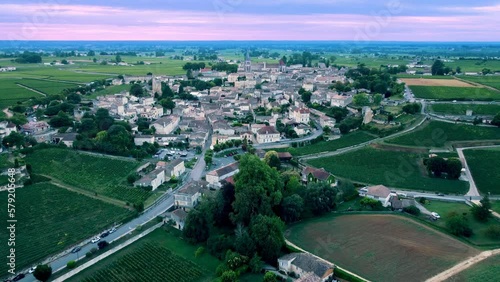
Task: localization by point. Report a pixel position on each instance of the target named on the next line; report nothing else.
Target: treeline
(29, 58)
(375, 80)
(223, 66)
(193, 66)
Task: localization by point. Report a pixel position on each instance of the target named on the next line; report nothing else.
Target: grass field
(390, 168)
(479, 228)
(51, 219)
(484, 166)
(160, 256)
(110, 90)
(11, 93)
(486, 271)
(404, 250)
(495, 205)
(451, 93)
(492, 81)
(348, 140)
(438, 134)
(102, 175)
(460, 109)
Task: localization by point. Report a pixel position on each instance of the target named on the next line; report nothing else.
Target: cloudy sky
(391, 20)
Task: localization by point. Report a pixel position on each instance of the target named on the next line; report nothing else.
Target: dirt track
(463, 265)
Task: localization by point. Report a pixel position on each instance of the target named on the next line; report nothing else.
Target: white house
(188, 196)
(6, 128)
(299, 115)
(306, 266)
(175, 168)
(179, 217)
(214, 177)
(340, 101)
(268, 134)
(166, 125)
(139, 140)
(378, 192)
(154, 179)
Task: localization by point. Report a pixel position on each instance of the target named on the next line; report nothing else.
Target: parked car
(95, 239)
(104, 234)
(76, 249)
(32, 269)
(19, 277)
(112, 230)
(435, 215)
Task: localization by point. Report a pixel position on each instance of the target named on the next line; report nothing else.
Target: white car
(32, 269)
(95, 239)
(112, 230)
(435, 215)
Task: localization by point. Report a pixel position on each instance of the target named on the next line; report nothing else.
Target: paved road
(473, 188)
(285, 143)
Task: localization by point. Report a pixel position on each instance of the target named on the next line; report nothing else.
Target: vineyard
(159, 256)
(51, 219)
(102, 175)
(150, 263)
(450, 93)
(47, 86)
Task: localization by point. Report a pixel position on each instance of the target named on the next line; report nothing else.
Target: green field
(495, 205)
(460, 109)
(11, 93)
(103, 175)
(380, 247)
(350, 139)
(438, 134)
(390, 168)
(451, 93)
(487, 270)
(51, 219)
(46, 86)
(159, 256)
(484, 166)
(492, 81)
(479, 228)
(110, 90)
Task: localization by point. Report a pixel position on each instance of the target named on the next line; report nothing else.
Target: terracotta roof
(268, 130)
(320, 174)
(378, 191)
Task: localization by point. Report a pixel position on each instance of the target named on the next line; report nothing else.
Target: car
(18, 277)
(112, 230)
(76, 249)
(95, 239)
(32, 269)
(104, 234)
(435, 215)
(441, 194)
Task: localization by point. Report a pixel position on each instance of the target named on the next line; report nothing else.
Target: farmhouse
(268, 134)
(153, 179)
(378, 192)
(215, 177)
(174, 168)
(306, 266)
(6, 128)
(179, 217)
(34, 127)
(311, 174)
(139, 140)
(66, 138)
(188, 196)
(166, 125)
(340, 101)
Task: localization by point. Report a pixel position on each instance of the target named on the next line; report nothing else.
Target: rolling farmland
(455, 93)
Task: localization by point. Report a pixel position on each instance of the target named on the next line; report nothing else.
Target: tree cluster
(193, 66)
(223, 66)
(412, 108)
(437, 165)
(29, 58)
(375, 80)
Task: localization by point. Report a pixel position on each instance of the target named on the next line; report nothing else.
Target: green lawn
(486, 271)
(495, 205)
(458, 93)
(102, 175)
(390, 168)
(492, 81)
(484, 166)
(51, 219)
(438, 134)
(479, 228)
(460, 109)
(110, 90)
(348, 140)
(160, 256)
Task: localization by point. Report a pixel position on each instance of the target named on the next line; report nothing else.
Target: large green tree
(43, 272)
(437, 68)
(258, 189)
(320, 197)
(267, 233)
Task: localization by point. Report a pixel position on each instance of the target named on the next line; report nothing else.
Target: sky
(356, 20)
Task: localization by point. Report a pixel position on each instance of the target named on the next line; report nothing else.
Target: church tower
(248, 63)
(156, 85)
